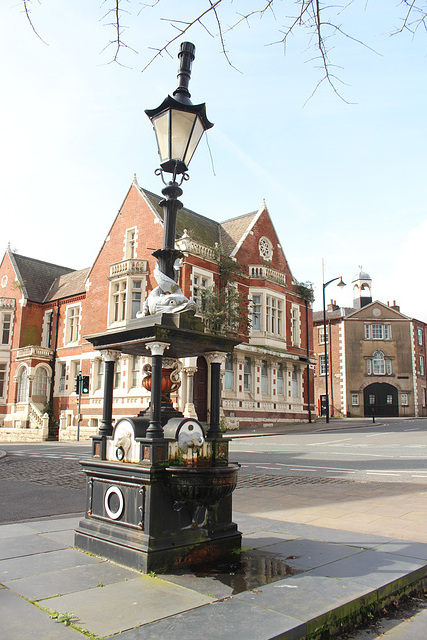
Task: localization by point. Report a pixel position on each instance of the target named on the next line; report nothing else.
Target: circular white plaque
(114, 515)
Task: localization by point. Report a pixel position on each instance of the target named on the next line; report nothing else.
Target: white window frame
(200, 279)
(3, 380)
(75, 367)
(62, 379)
(47, 323)
(377, 331)
(323, 364)
(296, 382)
(354, 399)
(421, 360)
(265, 377)
(99, 372)
(118, 374)
(135, 363)
(41, 385)
(295, 325)
(229, 373)
(23, 391)
(321, 335)
(131, 243)
(6, 323)
(268, 311)
(247, 374)
(72, 324)
(404, 400)
(420, 336)
(280, 379)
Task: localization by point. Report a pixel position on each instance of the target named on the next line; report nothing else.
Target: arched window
(378, 363)
(40, 383)
(23, 385)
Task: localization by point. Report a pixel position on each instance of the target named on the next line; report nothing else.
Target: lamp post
(179, 126)
(326, 338)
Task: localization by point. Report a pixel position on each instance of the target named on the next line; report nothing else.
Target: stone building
(376, 357)
(47, 310)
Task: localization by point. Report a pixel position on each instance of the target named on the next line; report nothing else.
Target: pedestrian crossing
(57, 455)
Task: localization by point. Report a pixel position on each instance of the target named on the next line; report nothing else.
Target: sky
(343, 180)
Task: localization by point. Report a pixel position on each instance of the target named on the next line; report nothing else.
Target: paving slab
(27, 545)
(222, 620)
(55, 524)
(64, 581)
(319, 601)
(21, 619)
(307, 554)
(124, 605)
(382, 571)
(14, 568)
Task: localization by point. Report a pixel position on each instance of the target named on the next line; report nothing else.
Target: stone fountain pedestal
(150, 504)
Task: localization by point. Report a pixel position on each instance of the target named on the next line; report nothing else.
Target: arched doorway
(380, 399)
(201, 389)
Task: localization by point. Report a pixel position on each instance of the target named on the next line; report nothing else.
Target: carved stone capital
(216, 357)
(109, 355)
(157, 348)
(190, 371)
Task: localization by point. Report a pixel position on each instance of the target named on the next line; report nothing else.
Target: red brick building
(47, 310)
(376, 357)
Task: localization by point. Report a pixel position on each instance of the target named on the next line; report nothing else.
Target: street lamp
(179, 126)
(326, 339)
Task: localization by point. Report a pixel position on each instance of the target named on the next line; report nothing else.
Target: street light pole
(326, 339)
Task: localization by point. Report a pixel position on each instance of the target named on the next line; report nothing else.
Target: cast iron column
(106, 428)
(155, 429)
(215, 360)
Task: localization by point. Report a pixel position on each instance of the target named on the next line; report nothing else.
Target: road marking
(269, 468)
(313, 444)
(418, 476)
(381, 473)
(381, 433)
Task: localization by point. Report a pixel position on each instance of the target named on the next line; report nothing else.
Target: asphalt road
(393, 451)
(42, 480)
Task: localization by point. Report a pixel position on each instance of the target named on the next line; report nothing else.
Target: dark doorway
(380, 399)
(201, 389)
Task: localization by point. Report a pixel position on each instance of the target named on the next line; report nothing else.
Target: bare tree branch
(314, 17)
(26, 9)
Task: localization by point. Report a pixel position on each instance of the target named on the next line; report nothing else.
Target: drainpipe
(53, 361)
(330, 369)
(308, 360)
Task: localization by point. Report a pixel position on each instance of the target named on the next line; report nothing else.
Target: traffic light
(85, 385)
(77, 383)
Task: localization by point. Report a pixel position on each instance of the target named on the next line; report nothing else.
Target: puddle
(251, 570)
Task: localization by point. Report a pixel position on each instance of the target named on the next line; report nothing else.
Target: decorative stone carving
(166, 298)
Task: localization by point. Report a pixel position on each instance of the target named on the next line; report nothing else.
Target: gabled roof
(35, 277)
(68, 285)
(376, 303)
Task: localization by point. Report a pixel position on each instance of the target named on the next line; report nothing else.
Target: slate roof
(68, 285)
(232, 230)
(204, 230)
(342, 312)
(200, 228)
(36, 276)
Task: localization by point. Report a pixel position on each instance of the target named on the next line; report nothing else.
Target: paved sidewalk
(299, 579)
